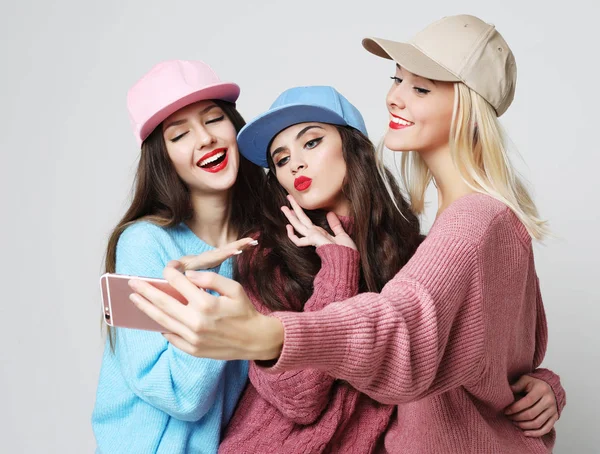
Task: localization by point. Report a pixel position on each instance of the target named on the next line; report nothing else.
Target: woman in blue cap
(314, 143)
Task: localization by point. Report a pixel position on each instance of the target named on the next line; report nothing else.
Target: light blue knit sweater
(152, 397)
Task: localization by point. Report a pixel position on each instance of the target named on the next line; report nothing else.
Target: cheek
(285, 180)
(179, 161)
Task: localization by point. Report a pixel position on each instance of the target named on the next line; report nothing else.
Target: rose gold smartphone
(118, 309)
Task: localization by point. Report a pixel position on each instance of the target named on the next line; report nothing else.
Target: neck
(211, 220)
(450, 184)
(341, 207)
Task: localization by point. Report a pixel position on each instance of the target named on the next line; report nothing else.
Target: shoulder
(476, 217)
(142, 233)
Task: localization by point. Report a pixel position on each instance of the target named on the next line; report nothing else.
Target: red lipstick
(215, 165)
(395, 125)
(302, 183)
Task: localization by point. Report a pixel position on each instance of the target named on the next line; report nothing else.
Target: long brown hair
(282, 274)
(161, 197)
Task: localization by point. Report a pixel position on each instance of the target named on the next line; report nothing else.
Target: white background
(68, 156)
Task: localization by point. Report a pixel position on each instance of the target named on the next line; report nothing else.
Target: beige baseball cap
(457, 49)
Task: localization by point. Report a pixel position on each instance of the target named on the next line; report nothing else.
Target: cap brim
(255, 137)
(225, 91)
(410, 58)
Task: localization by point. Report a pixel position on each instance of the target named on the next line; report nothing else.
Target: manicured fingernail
(133, 283)
(253, 243)
(237, 253)
(191, 273)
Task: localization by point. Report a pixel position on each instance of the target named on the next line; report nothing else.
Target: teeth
(402, 122)
(211, 159)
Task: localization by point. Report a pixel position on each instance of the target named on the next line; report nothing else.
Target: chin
(394, 144)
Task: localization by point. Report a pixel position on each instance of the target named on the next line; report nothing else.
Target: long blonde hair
(479, 152)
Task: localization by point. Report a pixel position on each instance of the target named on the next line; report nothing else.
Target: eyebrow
(424, 78)
(300, 134)
(183, 120)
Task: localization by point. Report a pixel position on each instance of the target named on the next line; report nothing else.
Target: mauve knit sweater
(306, 411)
(443, 340)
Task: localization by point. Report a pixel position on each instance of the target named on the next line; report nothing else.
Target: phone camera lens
(107, 316)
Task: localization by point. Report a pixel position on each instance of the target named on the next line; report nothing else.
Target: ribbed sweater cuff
(341, 265)
(554, 381)
(311, 340)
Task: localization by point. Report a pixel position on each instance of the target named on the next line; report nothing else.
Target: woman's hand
(220, 327)
(536, 412)
(213, 258)
(313, 235)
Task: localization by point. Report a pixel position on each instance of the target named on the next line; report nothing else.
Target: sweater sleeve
(393, 346)
(302, 395)
(165, 377)
(541, 335)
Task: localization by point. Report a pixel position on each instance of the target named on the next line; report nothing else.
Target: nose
(395, 98)
(203, 137)
(297, 162)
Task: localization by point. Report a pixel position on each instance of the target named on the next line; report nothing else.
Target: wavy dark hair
(386, 233)
(161, 197)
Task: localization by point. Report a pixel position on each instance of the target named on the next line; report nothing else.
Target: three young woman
(445, 338)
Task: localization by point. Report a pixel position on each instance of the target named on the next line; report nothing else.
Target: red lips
(394, 125)
(217, 165)
(302, 183)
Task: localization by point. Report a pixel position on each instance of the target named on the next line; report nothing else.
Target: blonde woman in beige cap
(464, 318)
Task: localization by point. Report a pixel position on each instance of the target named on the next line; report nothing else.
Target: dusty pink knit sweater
(443, 340)
(307, 411)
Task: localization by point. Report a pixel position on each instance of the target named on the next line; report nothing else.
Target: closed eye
(215, 120)
(176, 138)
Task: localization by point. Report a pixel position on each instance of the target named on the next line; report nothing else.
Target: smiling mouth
(397, 122)
(214, 161)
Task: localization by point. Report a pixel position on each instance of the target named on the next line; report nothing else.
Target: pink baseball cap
(169, 86)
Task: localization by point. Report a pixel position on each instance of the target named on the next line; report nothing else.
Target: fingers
(156, 298)
(533, 412)
(294, 221)
(213, 281)
(215, 257)
(196, 297)
(529, 400)
(546, 428)
(300, 242)
(181, 344)
(522, 385)
(299, 212)
(534, 388)
(177, 265)
(334, 224)
(536, 423)
(169, 323)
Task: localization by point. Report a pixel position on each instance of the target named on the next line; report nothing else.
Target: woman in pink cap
(194, 194)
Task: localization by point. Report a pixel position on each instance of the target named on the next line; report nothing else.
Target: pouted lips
(399, 123)
(213, 161)
(302, 183)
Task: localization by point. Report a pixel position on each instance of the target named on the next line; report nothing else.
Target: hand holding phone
(119, 311)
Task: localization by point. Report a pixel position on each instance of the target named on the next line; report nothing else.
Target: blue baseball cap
(320, 104)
